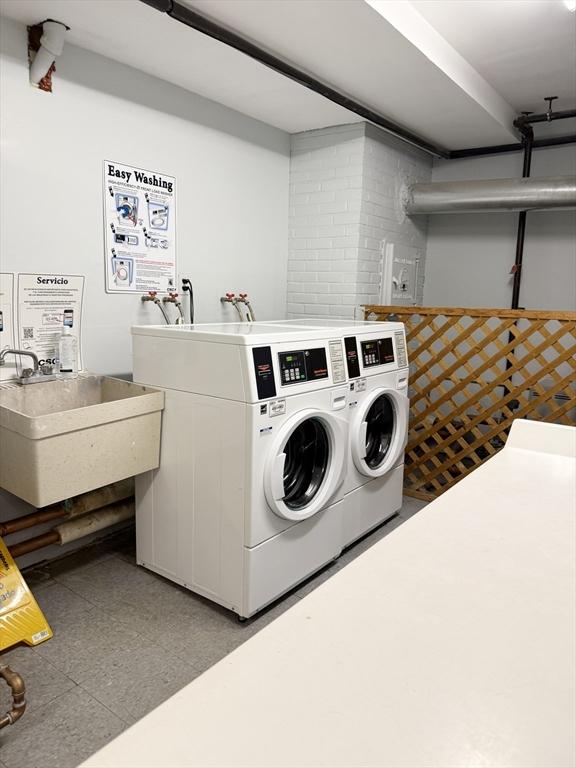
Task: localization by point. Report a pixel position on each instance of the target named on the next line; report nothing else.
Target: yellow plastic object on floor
(21, 620)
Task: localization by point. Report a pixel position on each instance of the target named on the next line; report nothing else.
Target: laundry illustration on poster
(140, 227)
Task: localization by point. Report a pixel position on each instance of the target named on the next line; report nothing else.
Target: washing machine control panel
(302, 365)
(377, 352)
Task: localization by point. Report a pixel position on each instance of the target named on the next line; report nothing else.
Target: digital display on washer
(352, 361)
(264, 372)
(377, 352)
(302, 365)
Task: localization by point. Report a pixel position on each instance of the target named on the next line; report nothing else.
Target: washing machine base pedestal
(370, 505)
(272, 568)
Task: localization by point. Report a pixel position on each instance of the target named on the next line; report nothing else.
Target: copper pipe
(16, 685)
(29, 521)
(77, 528)
(79, 505)
(37, 542)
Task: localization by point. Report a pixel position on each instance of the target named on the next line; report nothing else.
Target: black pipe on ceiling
(547, 117)
(498, 149)
(202, 24)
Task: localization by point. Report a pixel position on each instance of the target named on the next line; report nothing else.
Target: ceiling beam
(208, 27)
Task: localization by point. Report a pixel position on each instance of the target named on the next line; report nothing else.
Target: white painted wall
(469, 256)
(232, 173)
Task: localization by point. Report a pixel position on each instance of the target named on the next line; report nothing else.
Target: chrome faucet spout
(17, 352)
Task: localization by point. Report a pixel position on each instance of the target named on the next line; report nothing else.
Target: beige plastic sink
(65, 437)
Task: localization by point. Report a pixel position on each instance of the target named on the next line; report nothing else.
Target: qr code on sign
(28, 333)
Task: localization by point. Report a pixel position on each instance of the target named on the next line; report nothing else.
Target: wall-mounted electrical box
(399, 274)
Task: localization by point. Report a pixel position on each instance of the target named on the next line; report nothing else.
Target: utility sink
(62, 438)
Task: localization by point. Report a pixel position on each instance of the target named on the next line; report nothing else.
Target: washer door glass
(380, 426)
(307, 460)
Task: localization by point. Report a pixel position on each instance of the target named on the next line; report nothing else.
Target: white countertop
(449, 644)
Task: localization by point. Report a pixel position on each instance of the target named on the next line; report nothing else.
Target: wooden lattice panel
(472, 372)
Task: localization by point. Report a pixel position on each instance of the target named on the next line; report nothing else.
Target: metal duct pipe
(491, 195)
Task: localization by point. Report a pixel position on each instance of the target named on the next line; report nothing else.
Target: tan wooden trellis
(472, 372)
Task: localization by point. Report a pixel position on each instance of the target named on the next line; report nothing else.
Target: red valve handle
(229, 295)
(152, 293)
(172, 295)
(243, 295)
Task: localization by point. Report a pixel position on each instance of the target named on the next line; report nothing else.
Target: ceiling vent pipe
(491, 195)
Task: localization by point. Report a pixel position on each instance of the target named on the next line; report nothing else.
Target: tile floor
(124, 641)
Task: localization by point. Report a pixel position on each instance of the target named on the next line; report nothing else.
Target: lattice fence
(472, 372)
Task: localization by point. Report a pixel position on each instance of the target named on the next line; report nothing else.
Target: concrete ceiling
(428, 74)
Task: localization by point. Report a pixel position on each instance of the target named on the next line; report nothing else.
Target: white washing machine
(248, 498)
(378, 410)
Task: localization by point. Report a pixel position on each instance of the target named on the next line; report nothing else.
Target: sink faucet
(29, 375)
(16, 352)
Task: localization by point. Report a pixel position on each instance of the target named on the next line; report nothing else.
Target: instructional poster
(140, 227)
(47, 303)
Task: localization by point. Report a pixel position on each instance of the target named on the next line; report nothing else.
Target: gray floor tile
(61, 734)
(58, 602)
(77, 561)
(38, 576)
(135, 680)
(83, 640)
(43, 681)
(218, 635)
(142, 601)
(411, 506)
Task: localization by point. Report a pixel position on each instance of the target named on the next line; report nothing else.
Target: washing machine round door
(306, 464)
(379, 432)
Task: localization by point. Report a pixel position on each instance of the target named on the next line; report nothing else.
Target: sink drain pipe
(16, 685)
(79, 505)
(78, 527)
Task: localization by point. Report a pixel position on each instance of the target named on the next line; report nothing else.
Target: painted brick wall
(325, 202)
(345, 185)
